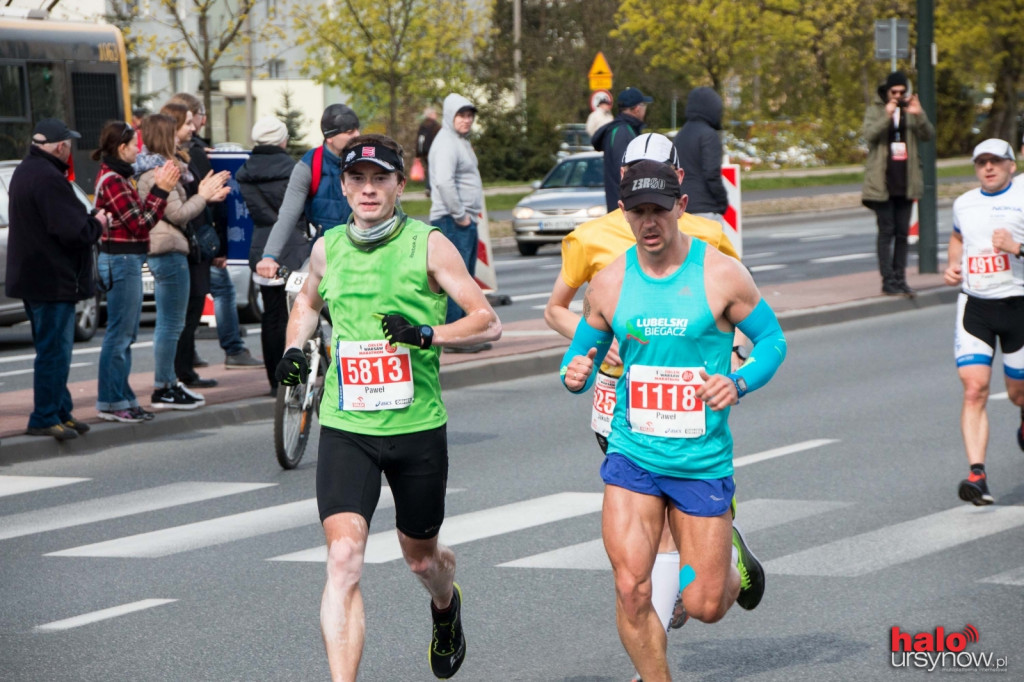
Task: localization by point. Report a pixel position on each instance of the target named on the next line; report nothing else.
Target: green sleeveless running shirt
(357, 284)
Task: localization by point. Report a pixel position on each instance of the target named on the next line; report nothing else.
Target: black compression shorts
(349, 466)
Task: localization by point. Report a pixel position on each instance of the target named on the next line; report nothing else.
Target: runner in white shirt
(986, 260)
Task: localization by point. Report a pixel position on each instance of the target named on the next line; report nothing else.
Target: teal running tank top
(666, 334)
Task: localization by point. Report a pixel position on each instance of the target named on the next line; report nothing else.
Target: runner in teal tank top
(664, 332)
(673, 306)
(386, 279)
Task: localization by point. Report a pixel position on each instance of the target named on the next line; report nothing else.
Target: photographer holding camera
(893, 178)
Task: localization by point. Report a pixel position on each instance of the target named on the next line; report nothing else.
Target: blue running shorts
(692, 496)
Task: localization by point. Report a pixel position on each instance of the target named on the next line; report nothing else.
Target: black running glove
(399, 330)
(293, 368)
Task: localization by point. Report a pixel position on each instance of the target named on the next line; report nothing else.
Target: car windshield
(576, 173)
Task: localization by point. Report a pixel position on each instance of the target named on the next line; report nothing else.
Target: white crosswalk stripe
(1012, 577)
(118, 506)
(754, 515)
(899, 543)
(15, 485)
(103, 614)
(383, 547)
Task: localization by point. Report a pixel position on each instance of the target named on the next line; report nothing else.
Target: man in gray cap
(49, 267)
(314, 190)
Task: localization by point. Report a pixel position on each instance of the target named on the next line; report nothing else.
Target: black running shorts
(348, 472)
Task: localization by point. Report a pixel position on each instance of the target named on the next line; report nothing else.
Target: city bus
(74, 71)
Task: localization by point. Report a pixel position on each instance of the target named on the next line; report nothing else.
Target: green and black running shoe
(448, 646)
(751, 573)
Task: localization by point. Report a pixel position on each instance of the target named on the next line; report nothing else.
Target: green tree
(392, 56)
(511, 148)
(292, 119)
(985, 38)
(217, 25)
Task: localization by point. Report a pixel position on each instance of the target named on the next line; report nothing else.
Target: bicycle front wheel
(291, 425)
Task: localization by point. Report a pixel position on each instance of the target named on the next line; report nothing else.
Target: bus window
(94, 98)
(14, 103)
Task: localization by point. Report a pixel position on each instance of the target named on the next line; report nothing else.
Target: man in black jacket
(49, 267)
(614, 137)
(700, 155)
(262, 180)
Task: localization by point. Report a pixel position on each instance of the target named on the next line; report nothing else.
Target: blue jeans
(225, 310)
(465, 240)
(123, 273)
(170, 275)
(53, 334)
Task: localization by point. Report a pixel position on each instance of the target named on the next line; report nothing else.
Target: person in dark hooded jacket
(263, 180)
(700, 154)
(614, 137)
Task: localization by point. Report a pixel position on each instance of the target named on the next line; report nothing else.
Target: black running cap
(338, 118)
(373, 153)
(649, 182)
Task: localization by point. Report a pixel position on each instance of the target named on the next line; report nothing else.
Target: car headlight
(597, 211)
(522, 212)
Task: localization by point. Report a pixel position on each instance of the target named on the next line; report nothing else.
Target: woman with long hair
(123, 246)
(199, 272)
(168, 252)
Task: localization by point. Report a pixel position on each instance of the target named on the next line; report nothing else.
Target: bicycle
(296, 405)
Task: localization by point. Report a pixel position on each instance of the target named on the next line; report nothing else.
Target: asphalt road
(847, 466)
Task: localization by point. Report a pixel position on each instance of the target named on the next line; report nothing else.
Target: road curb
(109, 434)
(474, 373)
(857, 310)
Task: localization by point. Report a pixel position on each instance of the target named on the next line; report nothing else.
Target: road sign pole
(927, 246)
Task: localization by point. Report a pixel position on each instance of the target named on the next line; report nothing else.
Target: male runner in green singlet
(385, 279)
(673, 305)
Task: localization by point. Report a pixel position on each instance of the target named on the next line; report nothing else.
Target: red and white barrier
(486, 276)
(734, 214)
(915, 226)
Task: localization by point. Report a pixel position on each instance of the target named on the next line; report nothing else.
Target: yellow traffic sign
(600, 74)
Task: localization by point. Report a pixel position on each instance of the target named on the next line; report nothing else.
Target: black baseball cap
(51, 130)
(373, 152)
(338, 118)
(649, 182)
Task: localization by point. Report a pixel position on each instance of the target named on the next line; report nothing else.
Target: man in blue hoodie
(457, 191)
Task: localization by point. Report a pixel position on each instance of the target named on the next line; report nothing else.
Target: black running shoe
(1020, 431)
(448, 646)
(751, 573)
(974, 489)
(172, 398)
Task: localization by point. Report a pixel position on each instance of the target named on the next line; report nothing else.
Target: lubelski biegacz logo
(942, 650)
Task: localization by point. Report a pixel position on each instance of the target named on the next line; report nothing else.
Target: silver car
(570, 194)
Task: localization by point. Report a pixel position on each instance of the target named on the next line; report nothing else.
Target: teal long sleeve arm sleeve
(762, 327)
(583, 339)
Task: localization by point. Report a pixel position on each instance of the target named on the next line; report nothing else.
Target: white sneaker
(198, 397)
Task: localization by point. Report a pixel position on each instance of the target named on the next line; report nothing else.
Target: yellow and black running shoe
(448, 645)
(751, 573)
